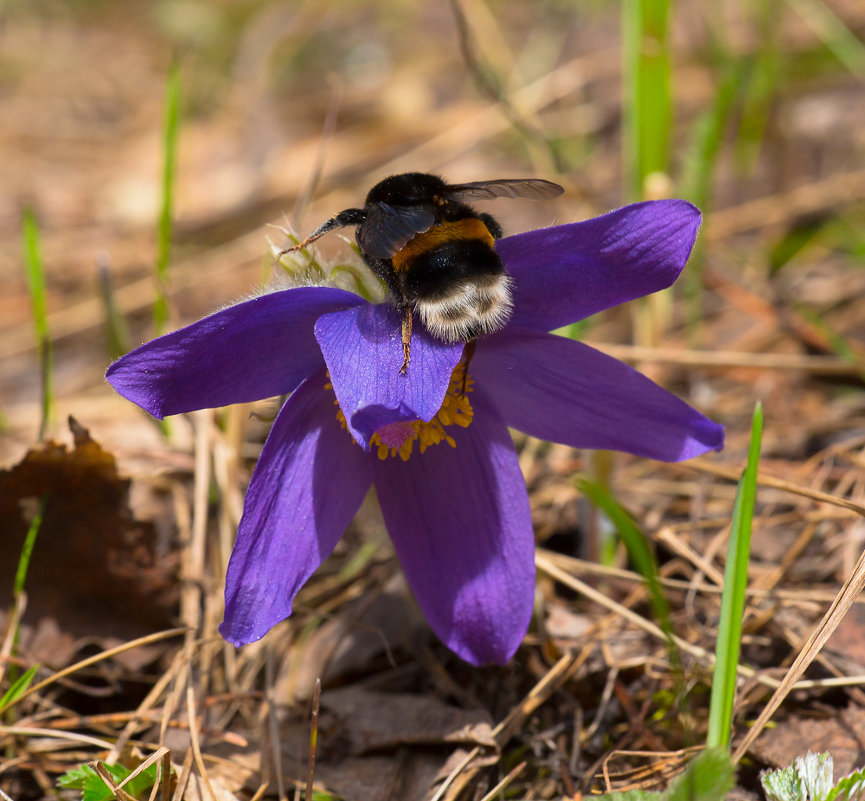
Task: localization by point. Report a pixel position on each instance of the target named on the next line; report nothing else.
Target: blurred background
(176, 133)
(290, 111)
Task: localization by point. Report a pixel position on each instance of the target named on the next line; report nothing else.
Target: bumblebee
(435, 253)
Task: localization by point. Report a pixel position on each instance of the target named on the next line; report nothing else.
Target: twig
(816, 365)
(27, 731)
(183, 777)
(726, 471)
(313, 738)
(852, 587)
(116, 790)
(92, 660)
(504, 782)
(194, 742)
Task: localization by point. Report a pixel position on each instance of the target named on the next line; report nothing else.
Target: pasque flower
(433, 442)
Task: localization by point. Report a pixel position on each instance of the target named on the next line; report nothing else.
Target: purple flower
(435, 445)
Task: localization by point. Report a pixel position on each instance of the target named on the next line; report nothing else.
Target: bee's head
(407, 189)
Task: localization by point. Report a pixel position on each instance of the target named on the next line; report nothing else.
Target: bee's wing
(532, 188)
(387, 228)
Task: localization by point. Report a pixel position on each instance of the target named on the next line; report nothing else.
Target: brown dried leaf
(372, 778)
(406, 773)
(848, 640)
(375, 721)
(841, 734)
(93, 571)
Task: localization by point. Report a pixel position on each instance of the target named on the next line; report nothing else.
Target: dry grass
(124, 626)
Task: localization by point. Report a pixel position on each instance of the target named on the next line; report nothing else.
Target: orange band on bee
(468, 228)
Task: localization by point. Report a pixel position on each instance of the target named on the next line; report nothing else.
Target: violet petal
(569, 272)
(362, 348)
(256, 349)
(564, 391)
(460, 521)
(309, 482)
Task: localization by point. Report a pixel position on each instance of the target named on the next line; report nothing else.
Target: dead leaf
(93, 572)
(842, 734)
(406, 774)
(375, 721)
(352, 639)
(848, 640)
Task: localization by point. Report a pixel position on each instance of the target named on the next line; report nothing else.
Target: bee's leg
(468, 354)
(406, 338)
(347, 217)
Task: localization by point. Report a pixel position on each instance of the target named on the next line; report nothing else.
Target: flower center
(399, 438)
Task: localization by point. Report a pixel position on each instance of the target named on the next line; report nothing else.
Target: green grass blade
(800, 235)
(27, 547)
(733, 595)
(709, 777)
(579, 329)
(765, 72)
(170, 129)
(34, 269)
(842, 348)
(646, 51)
(833, 31)
(707, 135)
(117, 336)
(17, 688)
(18, 588)
(637, 545)
(848, 235)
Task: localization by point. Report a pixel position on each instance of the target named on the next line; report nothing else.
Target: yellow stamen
(399, 438)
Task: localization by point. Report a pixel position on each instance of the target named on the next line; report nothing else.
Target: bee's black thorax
(451, 276)
(435, 253)
(408, 189)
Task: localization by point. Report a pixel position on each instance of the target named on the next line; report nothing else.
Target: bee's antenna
(347, 217)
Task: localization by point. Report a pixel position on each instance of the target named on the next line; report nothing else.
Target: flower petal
(362, 348)
(569, 272)
(460, 521)
(255, 349)
(564, 391)
(309, 481)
